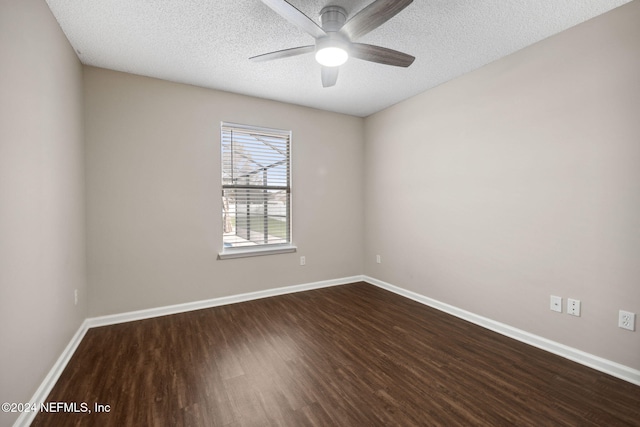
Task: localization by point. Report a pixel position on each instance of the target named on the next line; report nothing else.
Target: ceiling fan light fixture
(333, 50)
(332, 56)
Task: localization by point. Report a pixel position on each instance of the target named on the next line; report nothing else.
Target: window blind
(256, 186)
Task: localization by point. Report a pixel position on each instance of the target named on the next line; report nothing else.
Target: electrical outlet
(573, 307)
(627, 320)
(75, 297)
(303, 260)
(556, 303)
(378, 259)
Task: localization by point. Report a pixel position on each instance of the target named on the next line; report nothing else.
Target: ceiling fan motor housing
(329, 46)
(333, 39)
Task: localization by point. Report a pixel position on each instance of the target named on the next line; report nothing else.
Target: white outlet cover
(556, 303)
(573, 307)
(627, 320)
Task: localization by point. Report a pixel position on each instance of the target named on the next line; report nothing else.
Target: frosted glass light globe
(331, 56)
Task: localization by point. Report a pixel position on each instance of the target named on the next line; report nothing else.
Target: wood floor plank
(351, 355)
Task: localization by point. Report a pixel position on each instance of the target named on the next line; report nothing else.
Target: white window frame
(257, 249)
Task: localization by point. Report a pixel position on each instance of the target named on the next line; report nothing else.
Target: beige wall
(518, 181)
(489, 193)
(41, 197)
(154, 199)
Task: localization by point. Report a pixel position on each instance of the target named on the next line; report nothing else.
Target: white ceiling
(208, 42)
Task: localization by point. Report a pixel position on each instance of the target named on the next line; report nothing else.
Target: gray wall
(41, 197)
(518, 181)
(154, 208)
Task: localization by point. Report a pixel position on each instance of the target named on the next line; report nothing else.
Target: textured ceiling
(208, 42)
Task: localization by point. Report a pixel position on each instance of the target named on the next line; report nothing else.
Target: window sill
(246, 252)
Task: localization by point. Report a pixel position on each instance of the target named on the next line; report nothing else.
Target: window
(256, 190)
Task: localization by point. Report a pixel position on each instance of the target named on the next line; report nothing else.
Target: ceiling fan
(334, 39)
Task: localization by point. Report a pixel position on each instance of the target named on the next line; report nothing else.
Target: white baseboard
(40, 396)
(603, 365)
(113, 319)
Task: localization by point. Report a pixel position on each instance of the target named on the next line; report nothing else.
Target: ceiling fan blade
(381, 55)
(293, 15)
(329, 76)
(372, 16)
(285, 53)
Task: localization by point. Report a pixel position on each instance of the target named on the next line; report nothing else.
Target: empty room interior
(203, 223)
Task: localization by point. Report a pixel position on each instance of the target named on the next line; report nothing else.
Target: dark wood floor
(351, 355)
